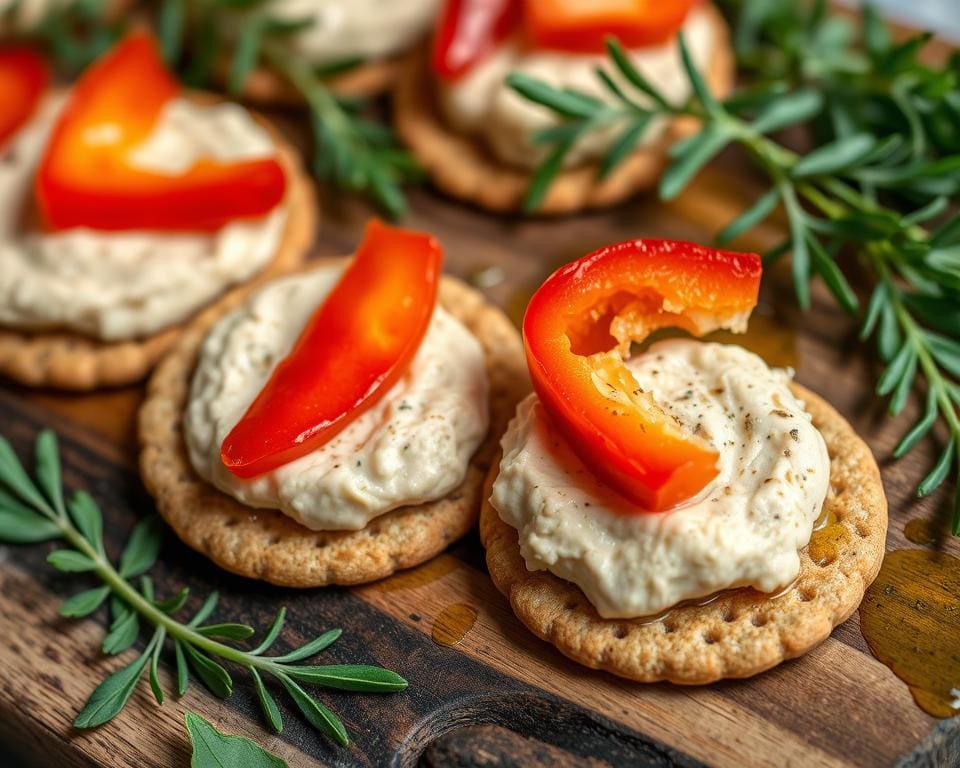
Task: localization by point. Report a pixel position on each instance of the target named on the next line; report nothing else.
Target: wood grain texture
(499, 693)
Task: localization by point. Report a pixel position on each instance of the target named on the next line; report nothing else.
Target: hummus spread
(24, 15)
(346, 29)
(414, 445)
(122, 285)
(745, 529)
(481, 102)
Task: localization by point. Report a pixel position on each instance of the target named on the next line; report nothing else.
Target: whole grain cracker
(741, 632)
(461, 166)
(266, 544)
(71, 361)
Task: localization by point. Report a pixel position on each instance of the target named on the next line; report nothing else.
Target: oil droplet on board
(453, 623)
(923, 531)
(910, 617)
(419, 576)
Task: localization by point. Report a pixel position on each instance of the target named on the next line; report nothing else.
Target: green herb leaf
(707, 146)
(267, 702)
(205, 610)
(214, 676)
(750, 218)
(155, 665)
(48, 469)
(316, 713)
(110, 696)
(835, 157)
(320, 643)
(84, 603)
(70, 561)
(214, 749)
(19, 525)
(228, 631)
(272, 633)
(143, 547)
(788, 110)
(123, 632)
(183, 674)
(939, 472)
(174, 603)
(350, 677)
(86, 516)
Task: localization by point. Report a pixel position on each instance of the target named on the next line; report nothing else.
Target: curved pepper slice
(581, 26)
(356, 345)
(577, 331)
(24, 76)
(86, 177)
(469, 30)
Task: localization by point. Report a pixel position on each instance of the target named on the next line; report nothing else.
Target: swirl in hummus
(744, 529)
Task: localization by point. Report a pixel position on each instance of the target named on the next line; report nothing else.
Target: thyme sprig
(882, 190)
(35, 511)
(351, 151)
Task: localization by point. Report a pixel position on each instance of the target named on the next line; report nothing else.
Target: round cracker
(740, 632)
(460, 165)
(266, 544)
(71, 361)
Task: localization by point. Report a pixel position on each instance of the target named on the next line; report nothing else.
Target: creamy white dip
(412, 446)
(745, 529)
(481, 103)
(23, 15)
(122, 285)
(344, 29)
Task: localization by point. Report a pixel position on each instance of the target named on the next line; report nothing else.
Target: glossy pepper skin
(355, 347)
(577, 332)
(86, 178)
(24, 78)
(470, 30)
(582, 26)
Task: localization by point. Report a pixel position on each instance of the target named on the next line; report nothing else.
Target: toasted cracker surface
(71, 361)
(741, 632)
(461, 165)
(266, 544)
(370, 78)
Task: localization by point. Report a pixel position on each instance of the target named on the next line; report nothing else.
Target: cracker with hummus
(370, 36)
(685, 513)
(476, 138)
(99, 270)
(394, 488)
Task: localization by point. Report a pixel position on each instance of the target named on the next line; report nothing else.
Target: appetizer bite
(685, 513)
(337, 424)
(477, 138)
(359, 43)
(128, 206)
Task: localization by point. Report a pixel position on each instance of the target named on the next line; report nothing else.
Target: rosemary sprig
(877, 189)
(35, 511)
(351, 151)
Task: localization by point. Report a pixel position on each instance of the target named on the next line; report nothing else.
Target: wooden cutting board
(482, 692)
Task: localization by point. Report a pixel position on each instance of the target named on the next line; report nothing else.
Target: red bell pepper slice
(355, 347)
(582, 26)
(577, 331)
(86, 178)
(24, 77)
(469, 30)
